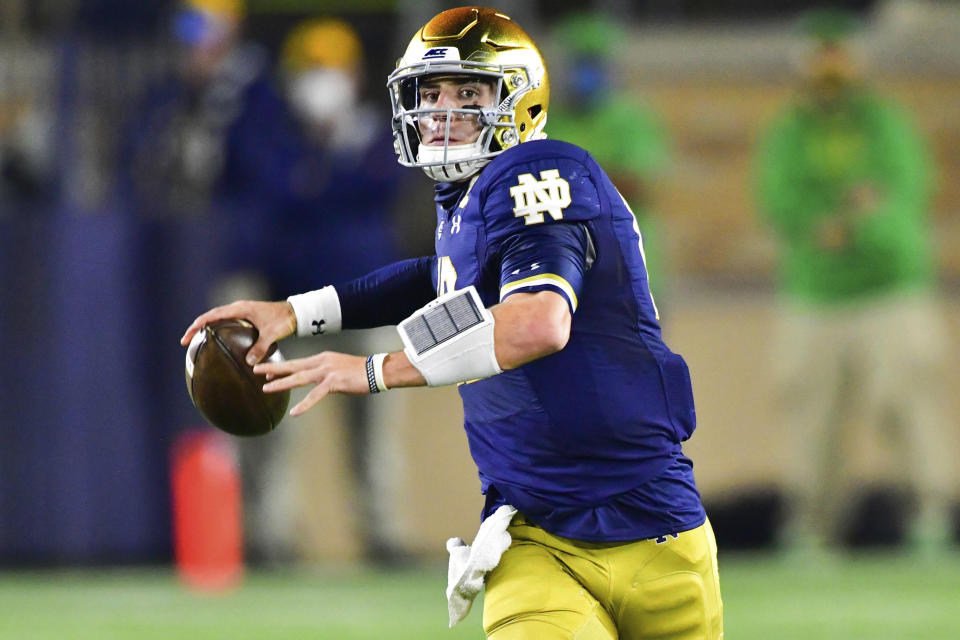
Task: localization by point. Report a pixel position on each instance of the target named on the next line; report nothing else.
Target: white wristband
(378, 359)
(317, 312)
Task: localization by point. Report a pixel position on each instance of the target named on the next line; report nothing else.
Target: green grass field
(873, 597)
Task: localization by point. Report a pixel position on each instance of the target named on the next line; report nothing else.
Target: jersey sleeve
(546, 258)
(388, 295)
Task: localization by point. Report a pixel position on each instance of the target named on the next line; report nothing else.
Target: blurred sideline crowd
(150, 171)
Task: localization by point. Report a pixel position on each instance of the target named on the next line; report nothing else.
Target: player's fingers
(192, 330)
(316, 395)
(217, 313)
(259, 349)
(271, 331)
(298, 379)
(188, 335)
(286, 367)
(282, 368)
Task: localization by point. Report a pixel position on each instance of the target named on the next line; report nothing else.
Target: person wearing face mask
(332, 217)
(322, 67)
(844, 180)
(338, 175)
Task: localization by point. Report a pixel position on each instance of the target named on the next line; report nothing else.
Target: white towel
(470, 563)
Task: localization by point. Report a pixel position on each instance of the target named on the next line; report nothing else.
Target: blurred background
(159, 157)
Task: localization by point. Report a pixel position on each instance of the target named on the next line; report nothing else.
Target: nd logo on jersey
(533, 197)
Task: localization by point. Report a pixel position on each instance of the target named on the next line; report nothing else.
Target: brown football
(223, 386)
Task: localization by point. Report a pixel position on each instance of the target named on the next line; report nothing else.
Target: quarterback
(537, 305)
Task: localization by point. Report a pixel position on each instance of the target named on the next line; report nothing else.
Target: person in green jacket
(844, 180)
(623, 134)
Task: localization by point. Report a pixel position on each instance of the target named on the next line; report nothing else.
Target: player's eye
(469, 94)
(429, 96)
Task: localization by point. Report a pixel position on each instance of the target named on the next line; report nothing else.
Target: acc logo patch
(441, 53)
(532, 198)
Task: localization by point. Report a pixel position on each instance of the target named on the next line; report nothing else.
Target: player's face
(452, 92)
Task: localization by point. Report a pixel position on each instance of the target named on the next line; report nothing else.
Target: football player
(536, 304)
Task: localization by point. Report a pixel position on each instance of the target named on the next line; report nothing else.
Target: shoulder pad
(539, 182)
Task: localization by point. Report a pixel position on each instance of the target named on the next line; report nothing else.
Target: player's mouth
(438, 141)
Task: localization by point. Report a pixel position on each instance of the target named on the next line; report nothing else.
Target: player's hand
(273, 320)
(331, 372)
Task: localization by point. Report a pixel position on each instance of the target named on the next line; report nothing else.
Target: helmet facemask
(497, 122)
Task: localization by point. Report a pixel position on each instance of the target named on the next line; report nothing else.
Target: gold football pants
(548, 587)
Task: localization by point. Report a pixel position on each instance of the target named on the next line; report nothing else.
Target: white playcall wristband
(451, 339)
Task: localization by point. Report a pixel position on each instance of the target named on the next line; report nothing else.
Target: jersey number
(532, 198)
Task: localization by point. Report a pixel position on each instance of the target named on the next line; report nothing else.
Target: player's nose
(447, 100)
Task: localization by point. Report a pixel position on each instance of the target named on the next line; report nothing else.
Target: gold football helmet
(475, 42)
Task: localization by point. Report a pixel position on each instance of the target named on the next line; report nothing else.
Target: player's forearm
(398, 372)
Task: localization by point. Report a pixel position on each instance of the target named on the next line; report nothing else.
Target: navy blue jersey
(585, 442)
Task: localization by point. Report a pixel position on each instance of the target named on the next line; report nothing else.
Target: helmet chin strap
(458, 165)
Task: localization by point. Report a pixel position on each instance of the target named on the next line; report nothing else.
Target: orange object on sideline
(207, 511)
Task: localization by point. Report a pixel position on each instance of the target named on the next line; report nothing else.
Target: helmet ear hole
(523, 127)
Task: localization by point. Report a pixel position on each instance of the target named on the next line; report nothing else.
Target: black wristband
(372, 376)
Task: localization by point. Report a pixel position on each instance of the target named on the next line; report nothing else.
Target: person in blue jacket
(333, 188)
